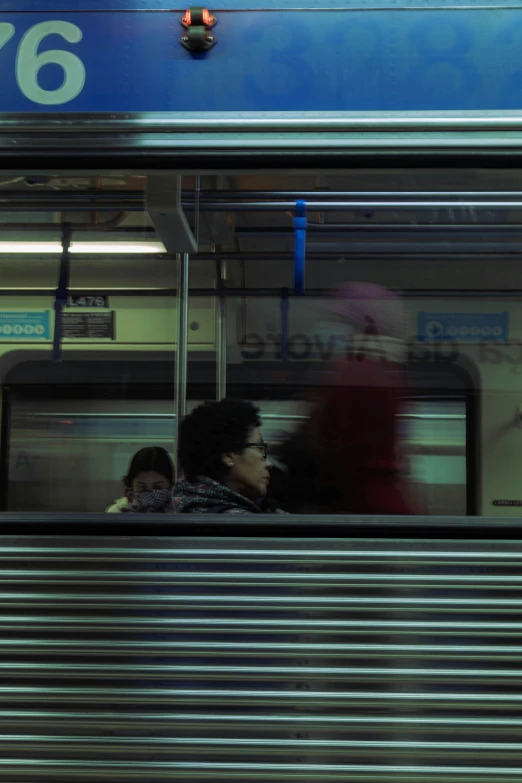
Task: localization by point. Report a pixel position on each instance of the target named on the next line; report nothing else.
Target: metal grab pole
(221, 353)
(221, 333)
(285, 312)
(180, 392)
(62, 290)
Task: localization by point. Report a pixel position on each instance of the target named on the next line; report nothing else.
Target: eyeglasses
(263, 448)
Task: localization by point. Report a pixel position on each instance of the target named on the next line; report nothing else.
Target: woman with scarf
(148, 483)
(224, 460)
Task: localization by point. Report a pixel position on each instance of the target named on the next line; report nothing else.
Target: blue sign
(264, 61)
(25, 326)
(464, 327)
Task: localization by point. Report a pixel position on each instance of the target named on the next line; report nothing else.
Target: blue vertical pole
(61, 292)
(300, 225)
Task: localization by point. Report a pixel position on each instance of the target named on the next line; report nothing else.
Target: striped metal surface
(161, 658)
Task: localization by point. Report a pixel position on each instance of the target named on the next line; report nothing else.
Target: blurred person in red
(346, 458)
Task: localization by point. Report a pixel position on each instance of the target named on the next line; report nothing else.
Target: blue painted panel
(278, 61)
(464, 327)
(25, 326)
(250, 5)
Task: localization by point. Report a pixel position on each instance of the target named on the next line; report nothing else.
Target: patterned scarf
(208, 496)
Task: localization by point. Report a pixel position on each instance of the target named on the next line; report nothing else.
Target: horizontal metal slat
(210, 719)
(318, 773)
(264, 696)
(37, 647)
(240, 674)
(239, 600)
(486, 754)
(255, 625)
(225, 580)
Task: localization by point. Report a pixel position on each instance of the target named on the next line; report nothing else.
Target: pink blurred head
(367, 306)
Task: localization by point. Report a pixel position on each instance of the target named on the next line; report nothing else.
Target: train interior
(72, 415)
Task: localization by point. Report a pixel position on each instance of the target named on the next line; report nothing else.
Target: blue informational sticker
(25, 326)
(464, 327)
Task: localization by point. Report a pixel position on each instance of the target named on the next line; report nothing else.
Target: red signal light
(198, 16)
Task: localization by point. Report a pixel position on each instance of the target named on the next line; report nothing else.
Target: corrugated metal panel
(220, 659)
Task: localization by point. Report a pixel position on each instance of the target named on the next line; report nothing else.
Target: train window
(106, 358)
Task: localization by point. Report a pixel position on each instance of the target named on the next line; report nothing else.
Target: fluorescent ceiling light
(98, 248)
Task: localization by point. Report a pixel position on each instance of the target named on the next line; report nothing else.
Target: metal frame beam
(180, 389)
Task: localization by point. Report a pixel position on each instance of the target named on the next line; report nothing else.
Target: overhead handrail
(350, 204)
(310, 195)
(131, 201)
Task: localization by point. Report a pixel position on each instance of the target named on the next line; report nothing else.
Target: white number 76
(29, 62)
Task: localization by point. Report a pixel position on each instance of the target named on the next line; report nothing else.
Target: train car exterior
(182, 189)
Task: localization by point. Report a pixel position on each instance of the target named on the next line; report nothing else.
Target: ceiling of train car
(38, 207)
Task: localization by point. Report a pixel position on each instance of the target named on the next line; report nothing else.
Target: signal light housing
(198, 21)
